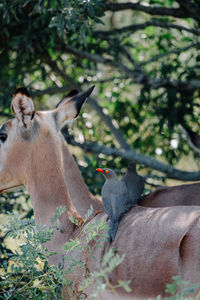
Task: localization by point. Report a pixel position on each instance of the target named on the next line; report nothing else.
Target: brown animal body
(158, 242)
(186, 194)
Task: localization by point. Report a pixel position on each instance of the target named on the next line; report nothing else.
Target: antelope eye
(3, 137)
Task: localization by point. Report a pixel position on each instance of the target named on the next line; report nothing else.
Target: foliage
(15, 202)
(27, 273)
(182, 289)
(31, 30)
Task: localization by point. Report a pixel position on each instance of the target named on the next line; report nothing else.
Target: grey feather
(134, 182)
(113, 229)
(115, 196)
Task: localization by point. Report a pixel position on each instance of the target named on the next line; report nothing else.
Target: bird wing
(119, 198)
(135, 185)
(106, 198)
(107, 205)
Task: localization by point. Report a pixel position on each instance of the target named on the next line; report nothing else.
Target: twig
(172, 51)
(153, 10)
(136, 27)
(190, 8)
(138, 76)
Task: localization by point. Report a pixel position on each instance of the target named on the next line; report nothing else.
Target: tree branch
(132, 155)
(130, 59)
(172, 51)
(108, 121)
(105, 80)
(65, 88)
(190, 8)
(2, 114)
(153, 10)
(136, 27)
(50, 91)
(139, 77)
(93, 103)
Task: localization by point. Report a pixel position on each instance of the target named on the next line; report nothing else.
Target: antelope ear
(68, 96)
(69, 108)
(23, 108)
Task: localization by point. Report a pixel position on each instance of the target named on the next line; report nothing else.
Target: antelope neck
(79, 193)
(47, 187)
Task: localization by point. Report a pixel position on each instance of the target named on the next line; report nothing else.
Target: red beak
(100, 170)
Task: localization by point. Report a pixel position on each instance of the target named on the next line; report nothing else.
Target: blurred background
(144, 59)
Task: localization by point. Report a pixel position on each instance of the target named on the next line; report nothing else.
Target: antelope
(157, 242)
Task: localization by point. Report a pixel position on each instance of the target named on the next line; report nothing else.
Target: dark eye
(3, 137)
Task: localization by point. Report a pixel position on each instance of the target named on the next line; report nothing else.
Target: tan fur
(79, 193)
(158, 242)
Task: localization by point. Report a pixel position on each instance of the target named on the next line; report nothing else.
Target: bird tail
(113, 226)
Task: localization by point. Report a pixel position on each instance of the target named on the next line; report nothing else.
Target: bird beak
(100, 170)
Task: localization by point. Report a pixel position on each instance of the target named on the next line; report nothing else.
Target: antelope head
(22, 137)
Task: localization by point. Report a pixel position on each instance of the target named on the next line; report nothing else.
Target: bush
(28, 274)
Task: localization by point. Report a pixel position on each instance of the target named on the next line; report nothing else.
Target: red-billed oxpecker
(134, 183)
(115, 198)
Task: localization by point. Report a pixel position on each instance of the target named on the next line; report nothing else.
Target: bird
(115, 197)
(134, 183)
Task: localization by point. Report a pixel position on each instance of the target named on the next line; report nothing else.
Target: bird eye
(107, 171)
(3, 137)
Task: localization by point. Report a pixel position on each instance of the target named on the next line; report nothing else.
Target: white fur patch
(23, 108)
(66, 113)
